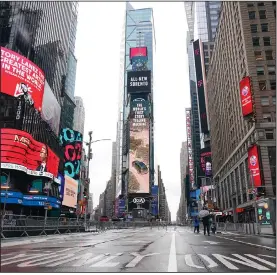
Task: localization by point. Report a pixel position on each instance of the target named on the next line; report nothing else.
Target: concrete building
(79, 115)
(102, 204)
(245, 45)
(109, 199)
(90, 205)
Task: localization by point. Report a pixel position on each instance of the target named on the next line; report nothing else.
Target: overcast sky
(97, 50)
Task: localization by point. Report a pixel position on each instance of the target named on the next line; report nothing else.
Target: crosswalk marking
(89, 261)
(105, 262)
(209, 260)
(261, 260)
(189, 261)
(268, 256)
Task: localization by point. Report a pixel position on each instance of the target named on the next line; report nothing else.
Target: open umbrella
(203, 213)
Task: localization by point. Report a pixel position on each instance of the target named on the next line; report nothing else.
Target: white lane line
(268, 256)
(258, 245)
(211, 262)
(105, 262)
(172, 263)
(261, 260)
(138, 258)
(211, 242)
(189, 261)
(226, 261)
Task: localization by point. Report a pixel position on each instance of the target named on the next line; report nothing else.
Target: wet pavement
(139, 250)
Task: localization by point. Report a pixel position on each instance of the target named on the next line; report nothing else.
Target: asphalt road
(139, 250)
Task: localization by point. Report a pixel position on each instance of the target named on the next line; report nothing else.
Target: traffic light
(85, 193)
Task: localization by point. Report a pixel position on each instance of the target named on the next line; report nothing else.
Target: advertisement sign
(138, 51)
(206, 162)
(72, 141)
(70, 192)
(121, 207)
(246, 96)
(139, 81)
(200, 87)
(139, 63)
(155, 200)
(61, 185)
(139, 176)
(19, 151)
(254, 166)
(51, 110)
(21, 77)
(189, 146)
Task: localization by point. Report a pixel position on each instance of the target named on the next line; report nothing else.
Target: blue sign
(121, 207)
(155, 201)
(61, 185)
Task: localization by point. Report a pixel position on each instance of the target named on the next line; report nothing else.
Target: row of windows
(259, 56)
(254, 27)
(256, 41)
(265, 100)
(259, 4)
(252, 14)
(262, 85)
(270, 69)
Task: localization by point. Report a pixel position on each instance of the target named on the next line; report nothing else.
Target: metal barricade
(13, 223)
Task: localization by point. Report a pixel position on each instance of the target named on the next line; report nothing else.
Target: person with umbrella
(205, 215)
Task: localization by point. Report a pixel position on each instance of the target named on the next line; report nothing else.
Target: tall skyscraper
(138, 31)
(243, 132)
(79, 115)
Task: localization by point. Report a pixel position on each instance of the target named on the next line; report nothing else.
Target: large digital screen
(139, 81)
(139, 175)
(51, 109)
(246, 96)
(21, 77)
(155, 200)
(254, 166)
(200, 87)
(19, 151)
(70, 192)
(72, 141)
(139, 63)
(138, 51)
(206, 162)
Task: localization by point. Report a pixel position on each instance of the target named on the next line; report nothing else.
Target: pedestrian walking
(206, 223)
(196, 224)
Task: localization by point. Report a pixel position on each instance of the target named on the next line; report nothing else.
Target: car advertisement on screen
(139, 147)
(138, 51)
(21, 77)
(70, 192)
(51, 109)
(139, 81)
(206, 162)
(19, 151)
(246, 96)
(254, 166)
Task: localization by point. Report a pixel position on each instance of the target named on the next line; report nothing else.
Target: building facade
(79, 115)
(247, 32)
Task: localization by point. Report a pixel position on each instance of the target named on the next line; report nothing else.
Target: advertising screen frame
(205, 156)
(135, 51)
(246, 96)
(70, 180)
(135, 77)
(254, 166)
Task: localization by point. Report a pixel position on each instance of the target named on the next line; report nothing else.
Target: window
(267, 117)
(206, 60)
(266, 41)
(274, 100)
(271, 69)
(268, 55)
(260, 70)
(211, 47)
(256, 41)
(260, 4)
(269, 134)
(206, 53)
(258, 55)
(252, 14)
(262, 14)
(262, 85)
(274, 3)
(264, 100)
(254, 28)
(264, 27)
(273, 84)
(250, 4)
(206, 47)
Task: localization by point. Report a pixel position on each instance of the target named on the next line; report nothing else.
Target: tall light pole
(89, 158)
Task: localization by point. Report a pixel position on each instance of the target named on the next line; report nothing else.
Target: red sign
(21, 77)
(254, 166)
(139, 51)
(19, 151)
(246, 96)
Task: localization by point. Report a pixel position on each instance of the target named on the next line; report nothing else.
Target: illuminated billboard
(206, 162)
(70, 192)
(21, 77)
(254, 166)
(138, 51)
(139, 175)
(19, 151)
(139, 81)
(200, 87)
(189, 145)
(72, 141)
(51, 109)
(246, 96)
(139, 63)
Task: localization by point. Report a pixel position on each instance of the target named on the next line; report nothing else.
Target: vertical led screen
(21, 77)
(206, 162)
(138, 51)
(72, 141)
(189, 143)
(155, 200)
(200, 87)
(254, 166)
(246, 96)
(139, 176)
(70, 192)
